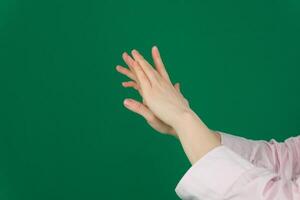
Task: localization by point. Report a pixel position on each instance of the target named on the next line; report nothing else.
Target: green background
(65, 133)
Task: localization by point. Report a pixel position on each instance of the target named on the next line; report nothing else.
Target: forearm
(195, 137)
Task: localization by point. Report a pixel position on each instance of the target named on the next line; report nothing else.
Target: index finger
(128, 60)
(159, 63)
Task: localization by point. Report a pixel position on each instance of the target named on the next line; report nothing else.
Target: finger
(148, 69)
(126, 72)
(139, 108)
(128, 60)
(135, 86)
(131, 84)
(159, 63)
(177, 87)
(143, 80)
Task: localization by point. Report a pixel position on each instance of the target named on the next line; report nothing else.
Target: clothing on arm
(245, 169)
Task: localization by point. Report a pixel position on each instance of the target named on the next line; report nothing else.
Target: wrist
(196, 138)
(187, 121)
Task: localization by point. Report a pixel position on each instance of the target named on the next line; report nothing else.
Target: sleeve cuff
(212, 176)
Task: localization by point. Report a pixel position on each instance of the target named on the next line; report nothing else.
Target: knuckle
(139, 107)
(151, 118)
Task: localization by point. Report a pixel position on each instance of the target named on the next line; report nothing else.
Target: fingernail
(127, 101)
(133, 51)
(124, 54)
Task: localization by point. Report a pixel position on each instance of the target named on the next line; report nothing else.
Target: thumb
(177, 87)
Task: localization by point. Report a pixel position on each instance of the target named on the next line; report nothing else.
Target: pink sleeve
(279, 157)
(225, 174)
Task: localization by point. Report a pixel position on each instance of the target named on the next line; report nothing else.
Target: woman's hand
(142, 108)
(162, 102)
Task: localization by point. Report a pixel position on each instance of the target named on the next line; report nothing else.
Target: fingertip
(134, 51)
(127, 102)
(154, 50)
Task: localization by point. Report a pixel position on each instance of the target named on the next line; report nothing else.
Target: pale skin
(164, 107)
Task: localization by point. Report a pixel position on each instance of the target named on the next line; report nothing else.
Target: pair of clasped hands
(163, 104)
